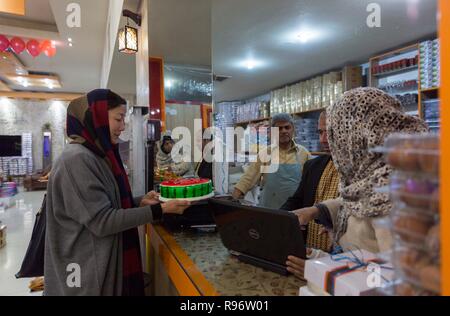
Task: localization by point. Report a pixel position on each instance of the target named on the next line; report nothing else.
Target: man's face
(168, 145)
(286, 132)
(322, 127)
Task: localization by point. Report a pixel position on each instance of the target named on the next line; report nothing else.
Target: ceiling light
(152, 112)
(128, 36)
(250, 64)
(128, 40)
(168, 83)
(70, 44)
(25, 84)
(50, 86)
(304, 37)
(70, 39)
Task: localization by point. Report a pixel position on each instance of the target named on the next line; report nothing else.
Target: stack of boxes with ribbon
(354, 273)
(414, 188)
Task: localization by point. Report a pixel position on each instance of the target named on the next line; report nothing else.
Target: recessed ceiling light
(250, 64)
(305, 36)
(152, 112)
(70, 44)
(70, 39)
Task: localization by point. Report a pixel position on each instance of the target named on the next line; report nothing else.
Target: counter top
(202, 259)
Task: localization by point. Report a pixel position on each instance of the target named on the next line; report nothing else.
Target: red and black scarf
(88, 124)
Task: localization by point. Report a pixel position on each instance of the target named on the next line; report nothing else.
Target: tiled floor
(19, 221)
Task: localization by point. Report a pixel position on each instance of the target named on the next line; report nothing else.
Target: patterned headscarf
(359, 121)
(88, 125)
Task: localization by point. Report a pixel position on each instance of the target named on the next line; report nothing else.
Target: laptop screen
(271, 235)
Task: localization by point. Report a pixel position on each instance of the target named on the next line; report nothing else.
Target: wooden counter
(192, 264)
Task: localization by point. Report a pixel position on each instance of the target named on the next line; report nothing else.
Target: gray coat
(84, 225)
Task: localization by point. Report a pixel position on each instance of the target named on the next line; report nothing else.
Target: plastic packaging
(417, 153)
(414, 219)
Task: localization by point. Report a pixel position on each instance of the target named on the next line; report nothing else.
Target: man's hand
(151, 198)
(306, 215)
(237, 194)
(175, 207)
(296, 266)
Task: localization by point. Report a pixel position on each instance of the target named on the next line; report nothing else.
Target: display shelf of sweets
(414, 219)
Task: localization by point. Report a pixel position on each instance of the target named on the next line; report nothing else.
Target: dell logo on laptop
(253, 233)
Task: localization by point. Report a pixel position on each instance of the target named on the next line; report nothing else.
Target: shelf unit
(396, 71)
(244, 123)
(422, 93)
(395, 56)
(391, 56)
(375, 61)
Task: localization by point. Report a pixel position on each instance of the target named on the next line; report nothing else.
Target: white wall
(29, 116)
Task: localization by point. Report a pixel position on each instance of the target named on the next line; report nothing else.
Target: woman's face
(116, 122)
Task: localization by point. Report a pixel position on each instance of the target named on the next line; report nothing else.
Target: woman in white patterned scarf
(359, 121)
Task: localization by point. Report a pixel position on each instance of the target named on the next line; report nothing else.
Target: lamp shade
(128, 40)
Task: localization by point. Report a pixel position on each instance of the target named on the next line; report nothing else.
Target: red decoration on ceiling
(18, 45)
(48, 48)
(4, 43)
(33, 48)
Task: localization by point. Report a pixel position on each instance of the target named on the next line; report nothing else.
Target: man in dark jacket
(319, 183)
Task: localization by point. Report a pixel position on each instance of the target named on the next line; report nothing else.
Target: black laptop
(259, 236)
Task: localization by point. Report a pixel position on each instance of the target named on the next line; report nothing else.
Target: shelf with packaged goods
(396, 71)
(243, 123)
(426, 94)
(252, 121)
(434, 89)
(375, 61)
(410, 67)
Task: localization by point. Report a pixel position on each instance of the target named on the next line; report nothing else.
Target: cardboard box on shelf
(352, 77)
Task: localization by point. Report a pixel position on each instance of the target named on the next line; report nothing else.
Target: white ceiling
(184, 31)
(78, 67)
(38, 11)
(261, 29)
(179, 32)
